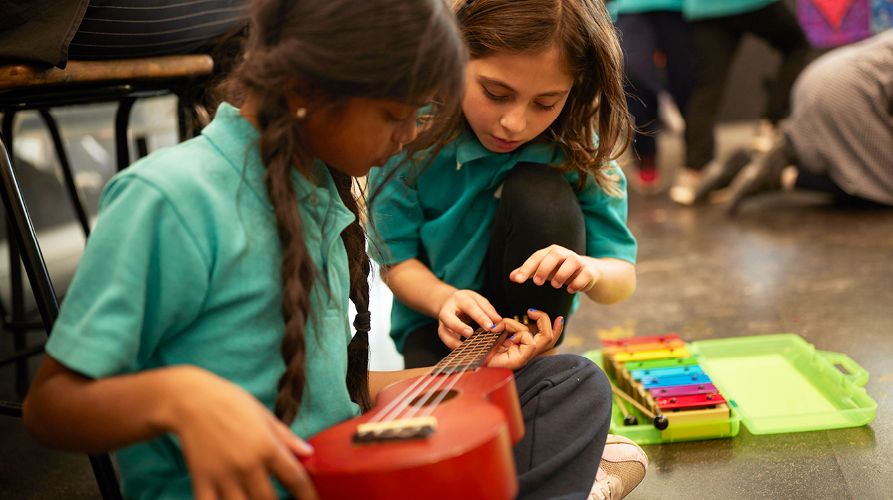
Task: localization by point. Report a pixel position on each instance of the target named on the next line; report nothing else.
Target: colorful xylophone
(660, 377)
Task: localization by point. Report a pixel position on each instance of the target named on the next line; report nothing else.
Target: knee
(596, 381)
(587, 377)
(535, 192)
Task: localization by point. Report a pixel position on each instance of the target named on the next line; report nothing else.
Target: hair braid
(354, 238)
(279, 150)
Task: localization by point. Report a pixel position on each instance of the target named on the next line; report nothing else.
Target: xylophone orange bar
(649, 346)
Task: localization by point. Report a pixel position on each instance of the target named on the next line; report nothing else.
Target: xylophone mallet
(627, 418)
(660, 421)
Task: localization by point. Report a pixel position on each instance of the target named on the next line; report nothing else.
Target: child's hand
(233, 444)
(560, 266)
(515, 352)
(458, 311)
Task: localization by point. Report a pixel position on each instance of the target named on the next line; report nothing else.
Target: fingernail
(532, 309)
(513, 336)
(562, 321)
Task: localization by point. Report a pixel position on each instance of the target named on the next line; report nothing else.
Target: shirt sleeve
(141, 279)
(605, 216)
(395, 214)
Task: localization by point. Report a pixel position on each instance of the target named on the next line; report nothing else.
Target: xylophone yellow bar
(663, 353)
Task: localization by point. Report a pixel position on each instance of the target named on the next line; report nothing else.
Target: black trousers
(645, 33)
(717, 42)
(537, 208)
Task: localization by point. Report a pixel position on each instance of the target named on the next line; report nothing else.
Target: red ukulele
(446, 435)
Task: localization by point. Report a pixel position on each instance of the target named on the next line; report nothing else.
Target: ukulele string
(441, 379)
(409, 411)
(400, 404)
(466, 357)
(390, 412)
(402, 398)
(440, 397)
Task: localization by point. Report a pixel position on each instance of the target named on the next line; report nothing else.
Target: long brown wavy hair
(330, 51)
(587, 40)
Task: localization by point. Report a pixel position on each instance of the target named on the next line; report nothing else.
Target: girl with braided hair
(206, 332)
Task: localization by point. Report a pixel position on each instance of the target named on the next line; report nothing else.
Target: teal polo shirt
(696, 10)
(184, 268)
(444, 220)
(637, 6)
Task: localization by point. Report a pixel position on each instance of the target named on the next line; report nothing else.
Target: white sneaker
(765, 136)
(684, 186)
(606, 489)
(622, 468)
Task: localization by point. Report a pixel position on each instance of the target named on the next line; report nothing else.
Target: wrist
(441, 294)
(597, 271)
(175, 396)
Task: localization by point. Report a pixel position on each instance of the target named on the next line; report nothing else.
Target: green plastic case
(774, 384)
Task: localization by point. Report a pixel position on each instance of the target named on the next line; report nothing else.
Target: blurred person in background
(718, 27)
(659, 56)
(839, 136)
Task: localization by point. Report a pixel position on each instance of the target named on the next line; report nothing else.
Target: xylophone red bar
(640, 340)
(691, 401)
(649, 346)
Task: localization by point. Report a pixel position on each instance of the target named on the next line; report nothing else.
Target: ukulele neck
(475, 352)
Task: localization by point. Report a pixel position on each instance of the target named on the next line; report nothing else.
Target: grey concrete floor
(790, 263)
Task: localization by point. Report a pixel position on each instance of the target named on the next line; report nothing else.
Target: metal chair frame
(26, 88)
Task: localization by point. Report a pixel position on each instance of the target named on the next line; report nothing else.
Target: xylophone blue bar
(666, 372)
(696, 378)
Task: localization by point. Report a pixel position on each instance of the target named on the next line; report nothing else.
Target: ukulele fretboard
(471, 354)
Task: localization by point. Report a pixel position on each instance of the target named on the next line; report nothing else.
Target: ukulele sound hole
(433, 397)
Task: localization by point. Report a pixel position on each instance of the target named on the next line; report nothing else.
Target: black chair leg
(106, 477)
(122, 119)
(22, 232)
(77, 200)
(19, 335)
(17, 288)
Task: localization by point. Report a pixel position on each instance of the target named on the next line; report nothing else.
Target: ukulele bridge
(395, 430)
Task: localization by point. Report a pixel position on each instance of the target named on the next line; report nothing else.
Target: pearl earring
(301, 113)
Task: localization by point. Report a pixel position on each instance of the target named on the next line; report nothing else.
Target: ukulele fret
(471, 354)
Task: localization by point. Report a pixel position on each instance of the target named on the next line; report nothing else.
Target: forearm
(413, 284)
(69, 411)
(617, 282)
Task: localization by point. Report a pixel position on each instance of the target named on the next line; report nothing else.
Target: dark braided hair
(329, 51)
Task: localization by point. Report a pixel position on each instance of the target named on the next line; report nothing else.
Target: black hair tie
(363, 322)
